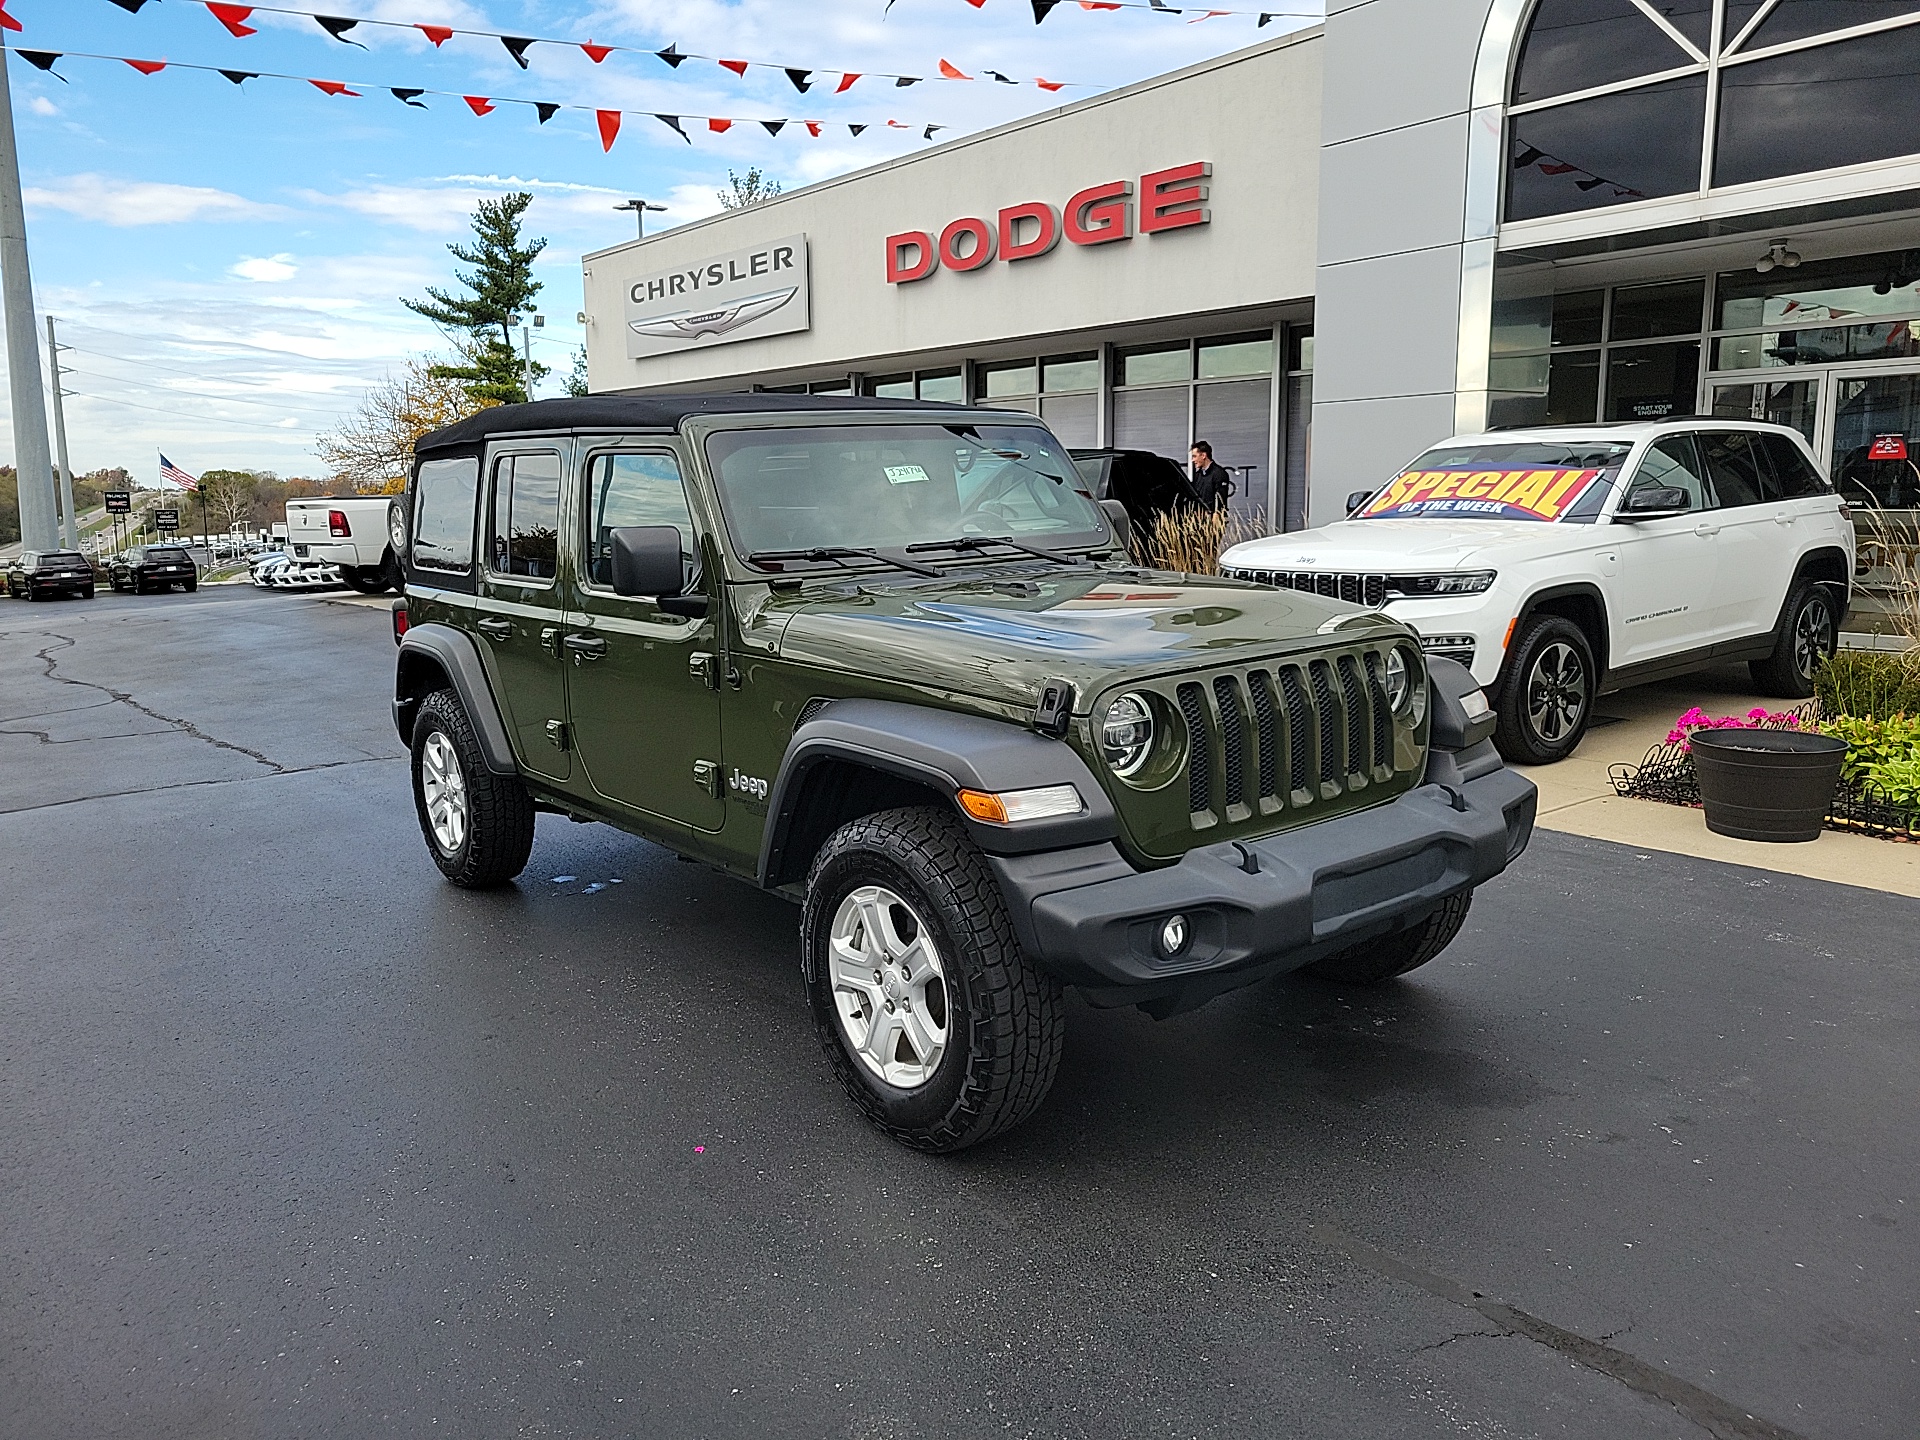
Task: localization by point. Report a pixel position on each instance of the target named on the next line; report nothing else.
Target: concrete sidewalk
(1576, 796)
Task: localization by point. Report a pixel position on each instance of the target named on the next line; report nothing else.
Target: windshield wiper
(975, 542)
(843, 552)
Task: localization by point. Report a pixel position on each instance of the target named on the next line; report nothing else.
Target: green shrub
(1869, 683)
(1886, 752)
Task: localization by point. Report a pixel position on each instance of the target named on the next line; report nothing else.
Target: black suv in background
(39, 573)
(147, 567)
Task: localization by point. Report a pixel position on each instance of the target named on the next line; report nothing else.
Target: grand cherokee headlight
(1126, 735)
(1420, 587)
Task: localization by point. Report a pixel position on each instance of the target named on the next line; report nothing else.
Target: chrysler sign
(744, 295)
(1099, 215)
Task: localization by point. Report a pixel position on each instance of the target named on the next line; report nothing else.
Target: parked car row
(46, 574)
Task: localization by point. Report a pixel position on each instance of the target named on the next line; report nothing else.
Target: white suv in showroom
(1563, 562)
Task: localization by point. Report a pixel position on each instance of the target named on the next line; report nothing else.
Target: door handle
(585, 646)
(495, 627)
(1704, 529)
(1783, 519)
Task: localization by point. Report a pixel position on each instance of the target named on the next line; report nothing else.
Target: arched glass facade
(1617, 101)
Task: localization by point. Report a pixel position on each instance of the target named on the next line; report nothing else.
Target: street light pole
(526, 353)
(54, 347)
(640, 209)
(39, 525)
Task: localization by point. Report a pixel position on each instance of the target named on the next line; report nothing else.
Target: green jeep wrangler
(889, 660)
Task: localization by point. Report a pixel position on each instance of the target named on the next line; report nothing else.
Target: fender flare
(1587, 590)
(1840, 560)
(454, 654)
(942, 750)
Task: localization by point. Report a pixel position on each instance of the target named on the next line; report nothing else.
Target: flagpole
(32, 456)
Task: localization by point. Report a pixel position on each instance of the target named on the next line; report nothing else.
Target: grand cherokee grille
(1288, 735)
(1356, 589)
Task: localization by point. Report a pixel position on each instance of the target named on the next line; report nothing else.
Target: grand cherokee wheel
(1547, 700)
(478, 825)
(937, 1024)
(1372, 961)
(1808, 634)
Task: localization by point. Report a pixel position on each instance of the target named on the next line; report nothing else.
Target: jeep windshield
(797, 497)
(1494, 480)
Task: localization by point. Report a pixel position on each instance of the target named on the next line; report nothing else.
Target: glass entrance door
(1792, 402)
(1873, 440)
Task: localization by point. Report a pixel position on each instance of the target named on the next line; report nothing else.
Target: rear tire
(370, 580)
(1805, 639)
(478, 825)
(1373, 962)
(1546, 701)
(191, 586)
(973, 1045)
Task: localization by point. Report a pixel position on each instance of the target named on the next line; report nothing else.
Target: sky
(227, 262)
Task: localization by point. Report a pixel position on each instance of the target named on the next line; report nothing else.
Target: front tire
(1546, 703)
(1372, 962)
(478, 825)
(1806, 638)
(936, 1023)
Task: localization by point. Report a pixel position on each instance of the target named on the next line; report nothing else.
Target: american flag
(171, 471)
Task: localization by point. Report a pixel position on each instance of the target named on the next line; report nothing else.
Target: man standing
(1209, 483)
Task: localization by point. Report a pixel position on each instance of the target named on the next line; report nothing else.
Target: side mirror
(1655, 502)
(646, 560)
(1357, 499)
(1122, 522)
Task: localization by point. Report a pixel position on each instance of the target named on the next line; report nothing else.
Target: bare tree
(373, 450)
(228, 495)
(748, 189)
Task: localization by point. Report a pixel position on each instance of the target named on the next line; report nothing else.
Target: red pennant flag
(719, 127)
(896, 125)
(1558, 168)
(813, 127)
(235, 18)
(977, 4)
(1096, 5)
(1050, 84)
(333, 87)
(148, 67)
(597, 53)
(438, 34)
(738, 67)
(609, 126)
(478, 104)
(950, 71)
(846, 82)
(7, 22)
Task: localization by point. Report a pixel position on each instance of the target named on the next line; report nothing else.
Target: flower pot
(1767, 784)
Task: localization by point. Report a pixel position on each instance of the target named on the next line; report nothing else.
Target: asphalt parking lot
(297, 1140)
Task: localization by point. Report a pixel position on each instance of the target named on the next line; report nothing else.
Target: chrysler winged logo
(691, 324)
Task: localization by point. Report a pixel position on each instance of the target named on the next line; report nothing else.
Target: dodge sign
(745, 295)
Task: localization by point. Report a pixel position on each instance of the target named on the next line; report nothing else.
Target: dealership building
(1328, 250)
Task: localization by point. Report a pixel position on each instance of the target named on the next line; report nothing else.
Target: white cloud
(40, 105)
(111, 201)
(264, 269)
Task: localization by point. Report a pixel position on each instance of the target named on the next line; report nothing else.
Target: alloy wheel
(444, 788)
(1812, 636)
(1556, 692)
(889, 986)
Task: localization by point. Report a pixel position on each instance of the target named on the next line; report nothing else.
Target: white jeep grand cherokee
(1563, 562)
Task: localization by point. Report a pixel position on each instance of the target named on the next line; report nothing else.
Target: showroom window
(1169, 394)
(1064, 390)
(944, 384)
(1629, 353)
(1611, 98)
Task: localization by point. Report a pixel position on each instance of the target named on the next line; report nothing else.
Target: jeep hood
(1399, 547)
(1001, 639)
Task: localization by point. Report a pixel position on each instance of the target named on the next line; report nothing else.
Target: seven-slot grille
(1356, 589)
(1291, 733)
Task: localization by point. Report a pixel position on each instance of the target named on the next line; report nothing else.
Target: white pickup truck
(350, 532)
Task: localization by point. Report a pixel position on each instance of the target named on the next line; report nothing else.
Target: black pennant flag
(1592, 184)
(1001, 78)
(517, 48)
(337, 28)
(132, 7)
(1041, 9)
(856, 129)
(239, 77)
(546, 109)
(903, 81)
(800, 79)
(773, 127)
(41, 60)
(409, 97)
(1526, 157)
(673, 57)
(672, 122)
(1264, 18)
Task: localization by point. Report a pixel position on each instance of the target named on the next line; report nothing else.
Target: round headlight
(1398, 689)
(1126, 735)
(397, 527)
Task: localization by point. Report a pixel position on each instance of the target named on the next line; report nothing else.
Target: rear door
(520, 614)
(642, 682)
(1668, 568)
(1757, 553)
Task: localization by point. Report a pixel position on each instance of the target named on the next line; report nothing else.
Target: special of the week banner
(1482, 494)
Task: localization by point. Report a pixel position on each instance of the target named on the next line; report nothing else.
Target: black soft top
(643, 412)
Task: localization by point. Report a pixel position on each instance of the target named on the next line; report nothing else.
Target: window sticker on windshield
(1482, 494)
(905, 474)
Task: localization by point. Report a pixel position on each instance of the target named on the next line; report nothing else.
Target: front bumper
(1259, 907)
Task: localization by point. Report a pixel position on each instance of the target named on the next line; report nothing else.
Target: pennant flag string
(1194, 14)
(237, 18)
(608, 120)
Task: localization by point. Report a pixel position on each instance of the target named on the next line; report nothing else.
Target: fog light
(1174, 934)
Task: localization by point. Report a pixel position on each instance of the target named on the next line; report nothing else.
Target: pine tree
(502, 286)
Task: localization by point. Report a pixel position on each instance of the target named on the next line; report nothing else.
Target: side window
(443, 514)
(1798, 479)
(1672, 463)
(524, 539)
(635, 490)
(1738, 468)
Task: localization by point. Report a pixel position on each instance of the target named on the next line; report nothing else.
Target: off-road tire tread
(1775, 675)
(1373, 962)
(500, 812)
(1018, 1023)
(1510, 736)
